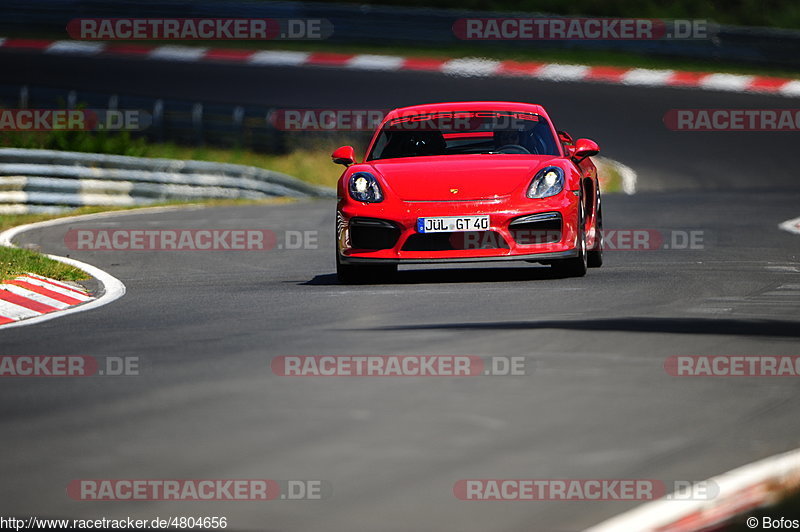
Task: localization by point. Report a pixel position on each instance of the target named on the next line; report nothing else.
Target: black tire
(595, 257)
(364, 274)
(576, 266)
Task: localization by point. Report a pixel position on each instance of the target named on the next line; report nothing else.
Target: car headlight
(547, 182)
(364, 187)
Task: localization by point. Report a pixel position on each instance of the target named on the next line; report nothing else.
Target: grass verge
(18, 261)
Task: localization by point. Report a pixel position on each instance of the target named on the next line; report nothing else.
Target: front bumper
(386, 232)
(533, 257)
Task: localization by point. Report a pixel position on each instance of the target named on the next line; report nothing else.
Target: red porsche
(468, 182)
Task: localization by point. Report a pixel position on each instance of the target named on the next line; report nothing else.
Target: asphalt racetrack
(596, 402)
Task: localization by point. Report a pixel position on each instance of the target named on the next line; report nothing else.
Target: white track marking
(75, 47)
(726, 82)
(471, 67)
(376, 62)
(178, 53)
(558, 72)
(793, 226)
(277, 57)
(647, 77)
(791, 89)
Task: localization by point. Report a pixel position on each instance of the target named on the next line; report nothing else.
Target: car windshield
(465, 132)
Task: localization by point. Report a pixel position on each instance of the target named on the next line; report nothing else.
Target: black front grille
(372, 233)
(540, 228)
(455, 241)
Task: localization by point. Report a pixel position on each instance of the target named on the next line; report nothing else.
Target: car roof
(468, 106)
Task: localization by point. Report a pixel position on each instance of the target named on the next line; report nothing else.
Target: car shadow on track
(723, 327)
(453, 275)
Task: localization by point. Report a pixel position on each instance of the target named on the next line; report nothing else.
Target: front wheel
(576, 266)
(364, 274)
(595, 258)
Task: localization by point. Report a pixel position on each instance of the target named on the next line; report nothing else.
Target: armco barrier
(46, 181)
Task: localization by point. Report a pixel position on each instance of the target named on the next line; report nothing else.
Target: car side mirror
(584, 148)
(345, 155)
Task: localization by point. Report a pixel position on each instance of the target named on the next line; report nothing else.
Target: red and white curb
(469, 66)
(33, 299)
(742, 490)
(793, 226)
(30, 296)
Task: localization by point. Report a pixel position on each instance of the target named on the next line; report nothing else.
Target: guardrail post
(24, 97)
(238, 124)
(275, 139)
(197, 121)
(158, 120)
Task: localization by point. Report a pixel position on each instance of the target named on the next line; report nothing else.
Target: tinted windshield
(465, 132)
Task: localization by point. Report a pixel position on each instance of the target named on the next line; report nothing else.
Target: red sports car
(468, 182)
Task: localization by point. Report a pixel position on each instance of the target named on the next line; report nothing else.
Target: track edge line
(664, 514)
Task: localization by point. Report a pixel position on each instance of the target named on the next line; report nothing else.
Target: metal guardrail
(399, 25)
(52, 181)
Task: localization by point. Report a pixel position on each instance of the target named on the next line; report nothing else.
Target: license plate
(451, 224)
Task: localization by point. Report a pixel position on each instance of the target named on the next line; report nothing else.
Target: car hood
(456, 177)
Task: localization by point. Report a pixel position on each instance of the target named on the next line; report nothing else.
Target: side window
(566, 141)
(380, 144)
